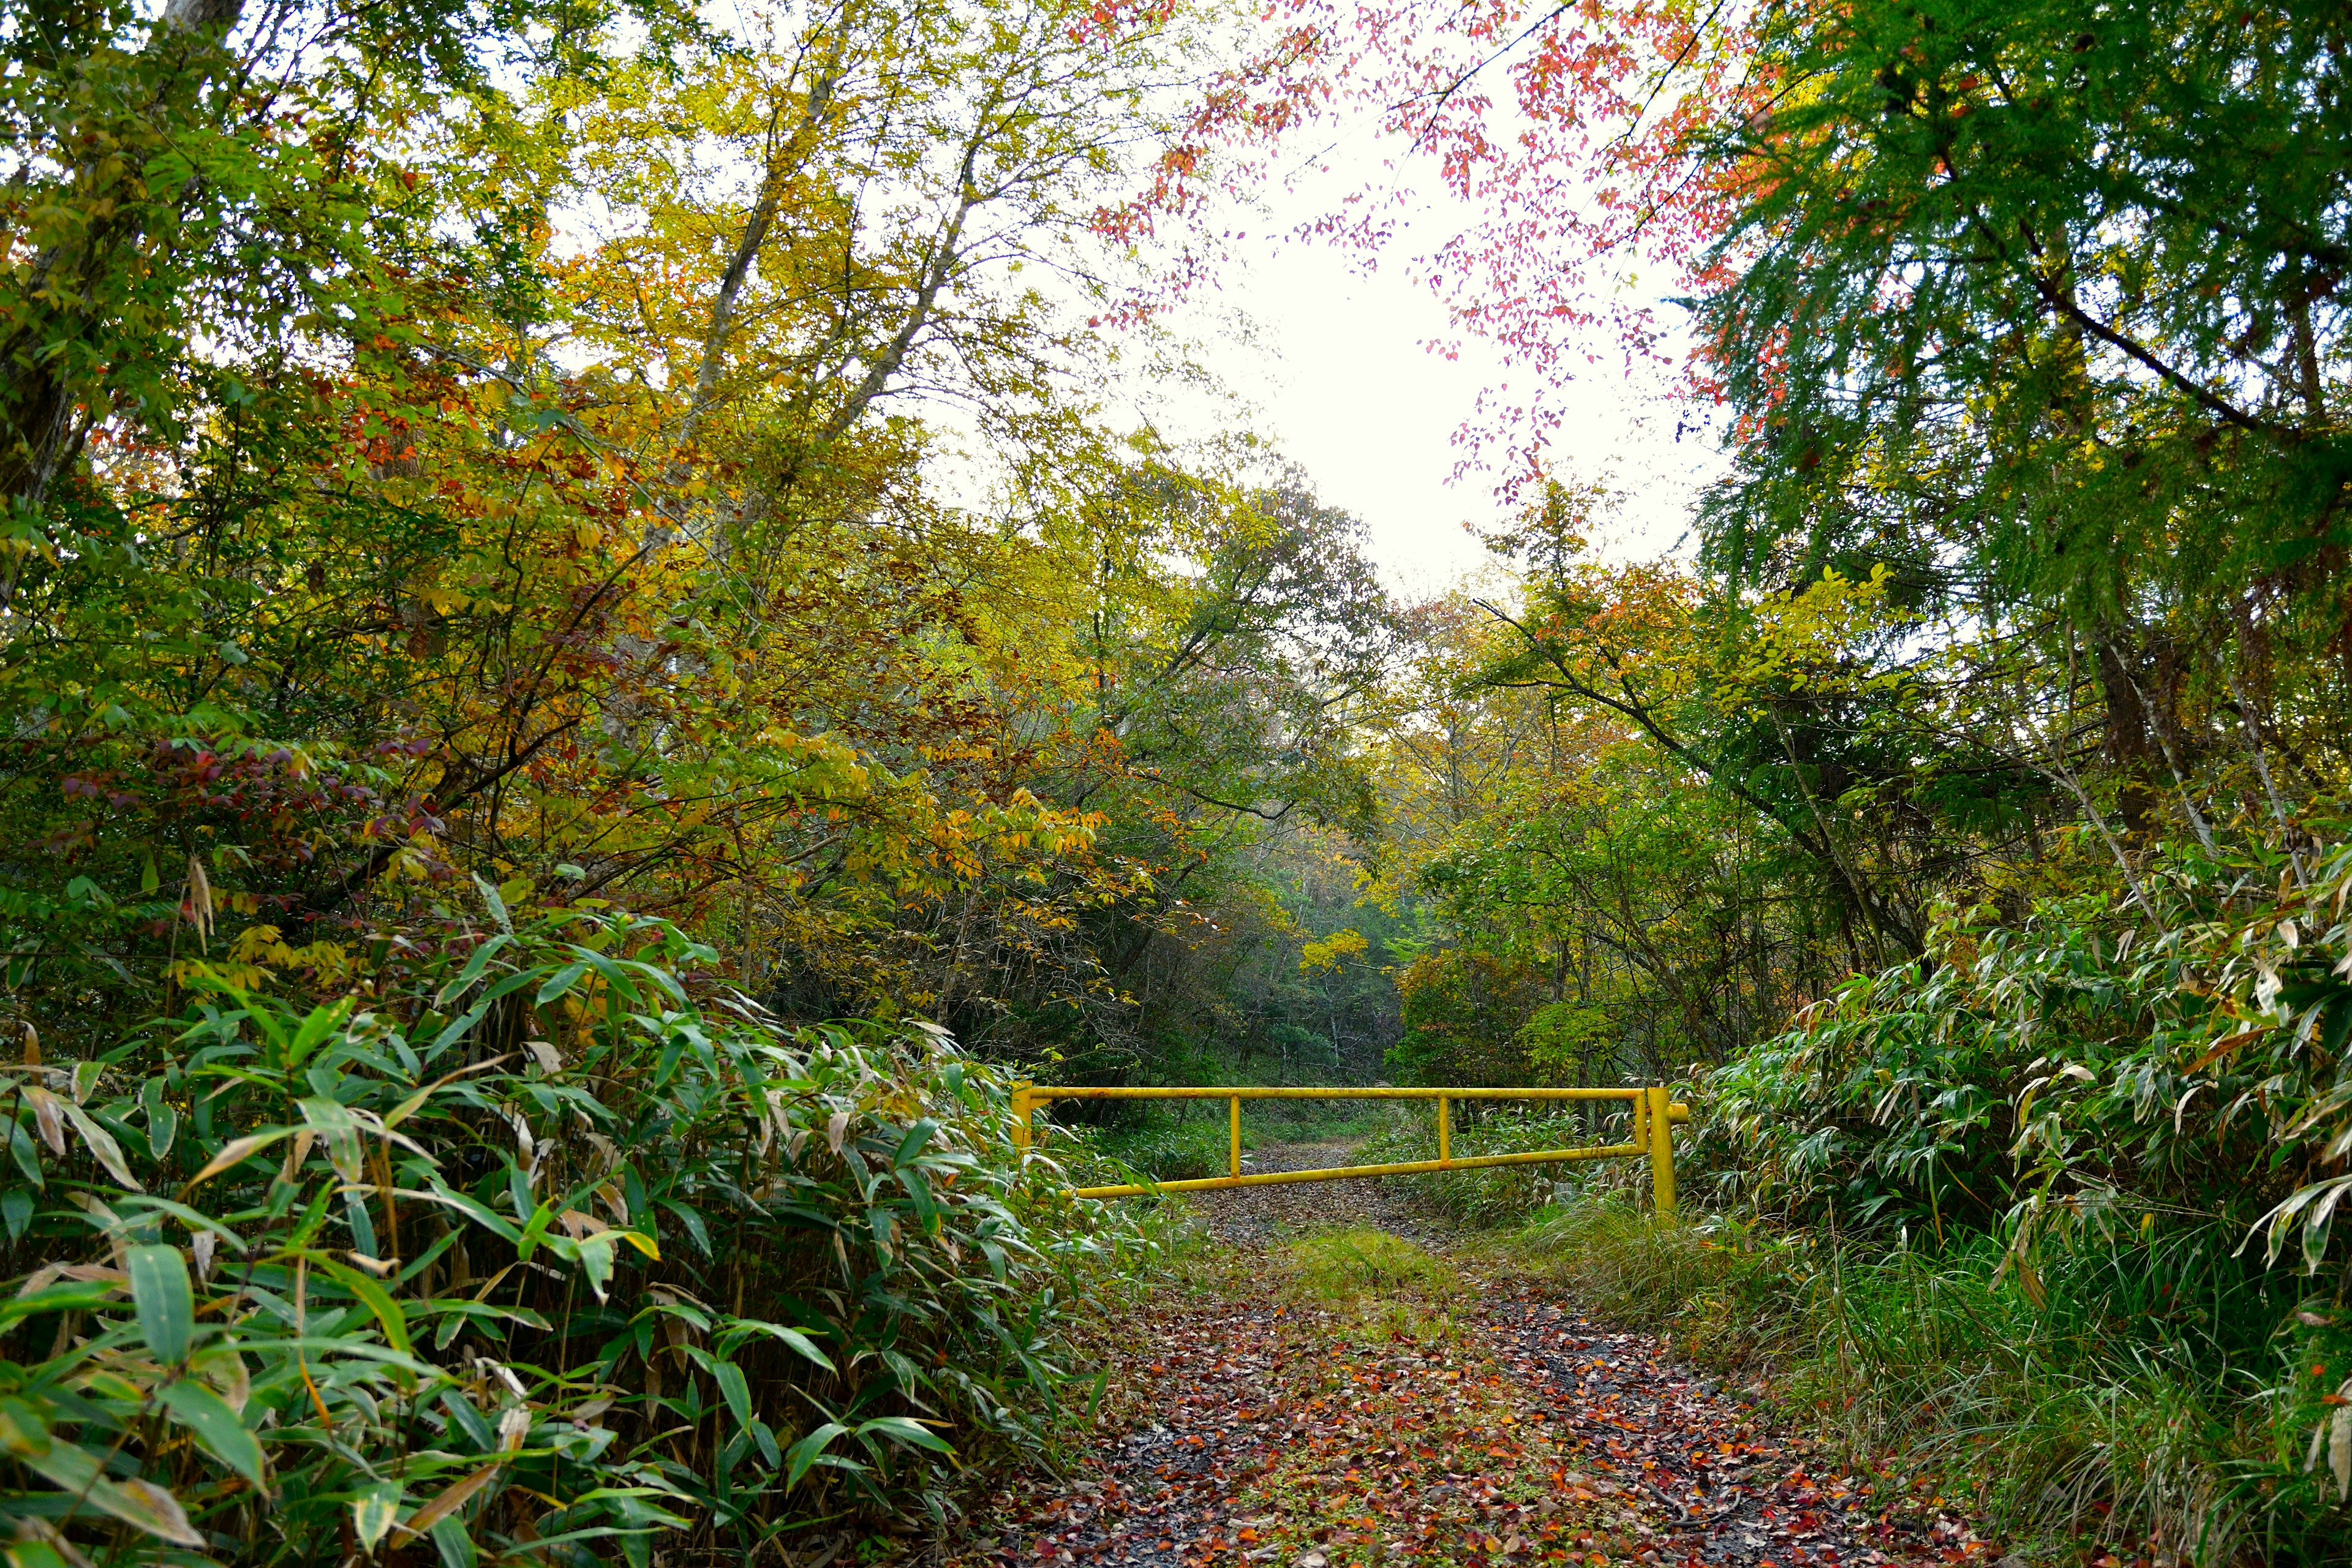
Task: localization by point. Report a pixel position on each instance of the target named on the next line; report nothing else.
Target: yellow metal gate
(1655, 1115)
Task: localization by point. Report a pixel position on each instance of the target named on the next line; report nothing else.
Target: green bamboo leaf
(140, 1503)
(562, 981)
(912, 1144)
(26, 1154)
(75, 1298)
(193, 1218)
(458, 1027)
(216, 1425)
(473, 970)
(237, 1150)
(534, 1231)
(340, 1132)
(595, 1256)
(480, 1213)
(764, 1435)
(376, 1298)
(662, 979)
(372, 1513)
(692, 1220)
(613, 974)
(904, 1429)
(23, 1429)
(734, 1389)
(806, 1452)
(33, 1555)
(102, 1144)
(795, 1338)
(454, 1544)
(497, 905)
(166, 1304)
(918, 1190)
(323, 1021)
(163, 1122)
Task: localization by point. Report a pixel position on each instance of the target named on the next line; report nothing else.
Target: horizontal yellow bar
(1678, 1111)
(1410, 1168)
(1195, 1091)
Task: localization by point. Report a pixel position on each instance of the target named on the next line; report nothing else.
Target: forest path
(1339, 1379)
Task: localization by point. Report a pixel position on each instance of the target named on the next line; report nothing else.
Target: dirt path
(1266, 1218)
(1328, 1394)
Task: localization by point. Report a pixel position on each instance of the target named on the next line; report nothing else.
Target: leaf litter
(1325, 1388)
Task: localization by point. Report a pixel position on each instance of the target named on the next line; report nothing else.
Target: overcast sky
(1340, 375)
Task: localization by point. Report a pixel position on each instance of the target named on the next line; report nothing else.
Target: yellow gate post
(1021, 1110)
(1233, 1126)
(1658, 1123)
(1444, 1131)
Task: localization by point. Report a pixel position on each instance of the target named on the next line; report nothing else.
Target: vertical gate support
(1233, 1129)
(1659, 1124)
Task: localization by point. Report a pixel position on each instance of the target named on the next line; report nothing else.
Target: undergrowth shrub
(2051, 1210)
(1168, 1149)
(535, 1244)
(2092, 1411)
(1504, 1195)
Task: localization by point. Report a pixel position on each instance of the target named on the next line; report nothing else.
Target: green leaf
(918, 1190)
(480, 1213)
(595, 1256)
(323, 1021)
(534, 1231)
(140, 1503)
(613, 974)
(27, 1156)
(763, 1435)
(54, 1298)
(734, 1389)
(693, 1221)
(193, 1218)
(804, 1453)
(163, 1122)
(32, 1554)
(904, 1429)
(372, 1513)
(377, 1299)
(461, 1410)
(16, 1209)
(23, 1429)
(562, 981)
(167, 1307)
(339, 1132)
(912, 1144)
(101, 1143)
(795, 1338)
(473, 970)
(450, 1540)
(497, 905)
(216, 1425)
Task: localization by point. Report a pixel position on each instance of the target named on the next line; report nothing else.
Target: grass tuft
(2104, 1407)
(1345, 1266)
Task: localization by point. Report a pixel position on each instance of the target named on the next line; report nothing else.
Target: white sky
(1338, 373)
